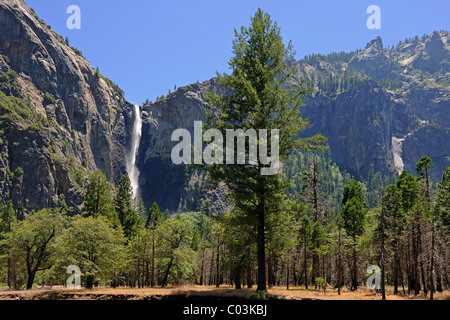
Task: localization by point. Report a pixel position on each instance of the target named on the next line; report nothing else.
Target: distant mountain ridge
(381, 109)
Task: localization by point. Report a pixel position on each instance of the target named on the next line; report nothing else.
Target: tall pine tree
(257, 98)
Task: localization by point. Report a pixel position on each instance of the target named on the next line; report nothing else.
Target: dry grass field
(201, 293)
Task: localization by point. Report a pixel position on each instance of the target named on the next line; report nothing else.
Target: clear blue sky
(147, 47)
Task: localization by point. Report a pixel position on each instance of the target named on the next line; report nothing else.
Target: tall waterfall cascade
(132, 169)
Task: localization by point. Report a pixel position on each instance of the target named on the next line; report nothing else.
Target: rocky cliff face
(381, 108)
(83, 117)
(175, 187)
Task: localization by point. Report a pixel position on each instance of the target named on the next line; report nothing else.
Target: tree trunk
(89, 282)
(354, 271)
(438, 278)
(152, 280)
(30, 280)
(211, 268)
(249, 277)
(9, 276)
(261, 247)
(217, 265)
(166, 275)
(432, 261)
(201, 268)
(419, 244)
(305, 266)
(237, 278)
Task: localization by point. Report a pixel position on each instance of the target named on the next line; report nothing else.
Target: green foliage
(257, 98)
(442, 206)
(234, 231)
(409, 188)
(111, 84)
(6, 59)
(78, 52)
(4, 77)
(318, 238)
(331, 179)
(32, 241)
(423, 165)
(175, 258)
(393, 208)
(335, 58)
(62, 205)
(321, 283)
(154, 217)
(7, 218)
(126, 208)
(77, 173)
(95, 246)
(389, 84)
(49, 98)
(13, 109)
(258, 295)
(98, 199)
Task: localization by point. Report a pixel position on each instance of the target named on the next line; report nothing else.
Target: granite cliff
(60, 119)
(381, 108)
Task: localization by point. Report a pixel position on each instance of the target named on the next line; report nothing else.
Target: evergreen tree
(126, 208)
(124, 199)
(409, 189)
(442, 207)
(305, 241)
(154, 219)
(442, 216)
(353, 217)
(7, 217)
(8, 221)
(98, 199)
(423, 170)
(257, 99)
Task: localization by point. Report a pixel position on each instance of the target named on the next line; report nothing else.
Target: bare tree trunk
(152, 280)
(166, 275)
(354, 270)
(217, 265)
(339, 263)
(305, 265)
(249, 277)
(261, 246)
(201, 269)
(432, 260)
(211, 269)
(287, 274)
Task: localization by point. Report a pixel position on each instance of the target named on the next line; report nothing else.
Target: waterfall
(133, 171)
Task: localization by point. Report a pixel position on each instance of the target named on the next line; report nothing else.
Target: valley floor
(201, 293)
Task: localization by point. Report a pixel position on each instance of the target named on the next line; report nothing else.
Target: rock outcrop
(85, 115)
(381, 108)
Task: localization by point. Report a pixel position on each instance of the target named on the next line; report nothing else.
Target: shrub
(4, 77)
(49, 98)
(13, 109)
(258, 295)
(6, 59)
